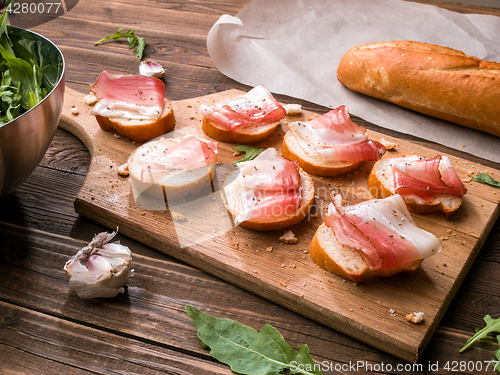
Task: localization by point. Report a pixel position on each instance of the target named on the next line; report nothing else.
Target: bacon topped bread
(268, 193)
(426, 185)
(330, 145)
(132, 105)
(249, 118)
(173, 168)
(376, 238)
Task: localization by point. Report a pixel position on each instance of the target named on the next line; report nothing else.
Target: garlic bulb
(100, 269)
(151, 69)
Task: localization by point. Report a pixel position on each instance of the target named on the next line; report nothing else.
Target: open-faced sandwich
(426, 185)
(173, 168)
(132, 105)
(268, 193)
(330, 145)
(376, 238)
(247, 119)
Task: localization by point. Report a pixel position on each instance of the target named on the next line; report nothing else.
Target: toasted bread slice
(273, 223)
(381, 185)
(168, 185)
(346, 261)
(249, 135)
(292, 150)
(138, 130)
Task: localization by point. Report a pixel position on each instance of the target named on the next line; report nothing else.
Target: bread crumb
(176, 216)
(123, 170)
(236, 245)
(90, 99)
(288, 238)
(269, 249)
(238, 153)
(74, 110)
(293, 109)
(415, 317)
(282, 283)
(393, 312)
(388, 145)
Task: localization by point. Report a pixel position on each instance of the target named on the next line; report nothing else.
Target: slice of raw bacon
(256, 107)
(382, 230)
(424, 178)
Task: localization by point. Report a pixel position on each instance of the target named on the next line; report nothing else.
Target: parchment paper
(293, 47)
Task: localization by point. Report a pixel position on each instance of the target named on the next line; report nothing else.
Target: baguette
(381, 185)
(140, 130)
(434, 80)
(346, 262)
(249, 135)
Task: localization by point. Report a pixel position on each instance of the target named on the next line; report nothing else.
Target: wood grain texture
(286, 275)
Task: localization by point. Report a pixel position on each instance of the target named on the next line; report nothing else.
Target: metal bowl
(25, 140)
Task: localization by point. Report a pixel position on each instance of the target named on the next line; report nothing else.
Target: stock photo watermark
(30, 13)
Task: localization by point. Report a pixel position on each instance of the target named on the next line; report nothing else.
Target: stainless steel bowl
(25, 140)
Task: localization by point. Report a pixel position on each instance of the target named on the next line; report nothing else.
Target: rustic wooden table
(46, 329)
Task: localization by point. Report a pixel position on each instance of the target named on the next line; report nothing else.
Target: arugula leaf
(248, 351)
(133, 41)
(485, 178)
(492, 325)
(250, 153)
(497, 354)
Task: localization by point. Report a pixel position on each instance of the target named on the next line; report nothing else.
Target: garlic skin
(100, 269)
(151, 69)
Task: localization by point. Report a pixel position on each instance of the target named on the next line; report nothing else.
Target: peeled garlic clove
(151, 69)
(100, 269)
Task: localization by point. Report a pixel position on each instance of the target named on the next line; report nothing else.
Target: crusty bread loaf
(249, 135)
(273, 223)
(431, 79)
(381, 185)
(292, 150)
(346, 261)
(138, 130)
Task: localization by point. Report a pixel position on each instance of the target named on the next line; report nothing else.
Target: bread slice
(346, 261)
(273, 223)
(138, 130)
(381, 185)
(169, 185)
(292, 150)
(249, 135)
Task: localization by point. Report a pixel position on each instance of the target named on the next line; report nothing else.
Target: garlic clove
(98, 265)
(151, 69)
(100, 269)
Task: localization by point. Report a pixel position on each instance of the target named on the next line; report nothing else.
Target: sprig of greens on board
(250, 153)
(248, 351)
(492, 326)
(133, 41)
(485, 178)
(29, 70)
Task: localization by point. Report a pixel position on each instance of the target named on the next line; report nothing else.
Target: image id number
(40, 8)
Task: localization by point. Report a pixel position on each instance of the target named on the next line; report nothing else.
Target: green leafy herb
(29, 69)
(485, 178)
(248, 351)
(133, 41)
(250, 153)
(492, 326)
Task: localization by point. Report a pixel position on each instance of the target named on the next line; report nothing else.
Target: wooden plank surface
(286, 275)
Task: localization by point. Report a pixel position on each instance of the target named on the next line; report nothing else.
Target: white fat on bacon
(118, 109)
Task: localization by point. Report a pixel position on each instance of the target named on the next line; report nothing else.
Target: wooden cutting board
(285, 274)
